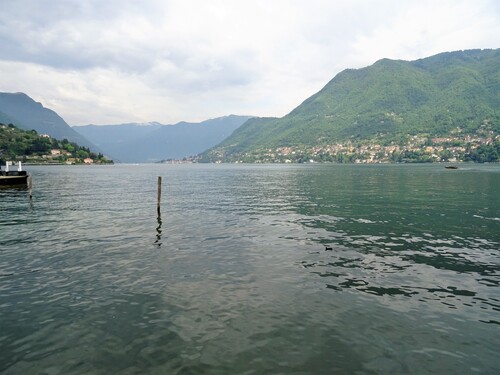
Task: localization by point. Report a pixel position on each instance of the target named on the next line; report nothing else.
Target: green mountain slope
(29, 146)
(438, 95)
(21, 110)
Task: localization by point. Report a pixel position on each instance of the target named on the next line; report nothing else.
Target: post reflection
(158, 229)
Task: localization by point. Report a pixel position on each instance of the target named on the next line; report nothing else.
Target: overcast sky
(117, 61)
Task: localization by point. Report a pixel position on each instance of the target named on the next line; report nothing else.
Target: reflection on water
(251, 269)
(393, 233)
(395, 261)
(158, 229)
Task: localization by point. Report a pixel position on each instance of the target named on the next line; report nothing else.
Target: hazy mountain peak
(134, 142)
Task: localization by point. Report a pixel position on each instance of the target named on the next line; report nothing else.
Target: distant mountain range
(443, 95)
(152, 142)
(149, 142)
(438, 95)
(21, 110)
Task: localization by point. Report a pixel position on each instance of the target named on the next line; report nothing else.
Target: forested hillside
(447, 96)
(29, 146)
(22, 111)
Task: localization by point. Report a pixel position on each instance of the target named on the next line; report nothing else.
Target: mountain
(438, 95)
(114, 138)
(31, 147)
(22, 111)
(153, 142)
(6, 119)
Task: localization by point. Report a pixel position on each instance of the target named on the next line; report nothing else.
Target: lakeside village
(64, 156)
(481, 147)
(33, 148)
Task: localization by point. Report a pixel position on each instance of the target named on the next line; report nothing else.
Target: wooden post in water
(158, 219)
(159, 195)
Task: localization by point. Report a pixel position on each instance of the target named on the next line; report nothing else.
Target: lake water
(252, 269)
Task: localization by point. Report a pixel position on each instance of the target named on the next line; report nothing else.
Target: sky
(121, 61)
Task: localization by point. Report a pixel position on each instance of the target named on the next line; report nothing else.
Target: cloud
(120, 61)
(426, 28)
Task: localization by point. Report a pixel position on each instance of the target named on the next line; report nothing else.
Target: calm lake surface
(277, 269)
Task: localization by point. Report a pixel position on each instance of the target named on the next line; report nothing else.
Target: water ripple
(250, 269)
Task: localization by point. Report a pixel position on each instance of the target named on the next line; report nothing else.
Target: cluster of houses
(421, 148)
(448, 149)
(56, 154)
